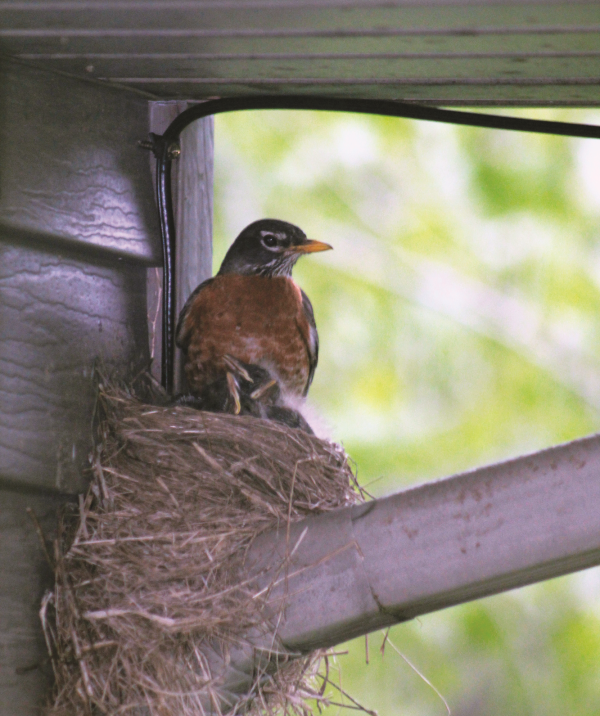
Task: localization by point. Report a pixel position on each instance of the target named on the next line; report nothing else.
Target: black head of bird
(268, 247)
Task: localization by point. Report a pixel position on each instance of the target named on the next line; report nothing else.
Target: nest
(148, 567)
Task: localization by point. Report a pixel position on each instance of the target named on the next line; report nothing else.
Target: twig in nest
(40, 535)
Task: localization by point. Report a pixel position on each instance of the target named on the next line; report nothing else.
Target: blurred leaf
(459, 318)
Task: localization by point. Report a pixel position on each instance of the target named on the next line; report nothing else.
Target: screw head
(174, 150)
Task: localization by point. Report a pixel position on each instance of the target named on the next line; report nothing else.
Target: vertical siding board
(193, 263)
(193, 202)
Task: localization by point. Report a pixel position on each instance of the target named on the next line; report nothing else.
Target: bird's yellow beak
(310, 247)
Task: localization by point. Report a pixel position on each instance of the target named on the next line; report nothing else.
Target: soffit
(507, 53)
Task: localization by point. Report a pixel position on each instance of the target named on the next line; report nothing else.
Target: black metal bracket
(166, 148)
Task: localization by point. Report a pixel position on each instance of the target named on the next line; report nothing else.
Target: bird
(248, 335)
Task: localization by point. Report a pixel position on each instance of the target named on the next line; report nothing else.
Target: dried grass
(148, 567)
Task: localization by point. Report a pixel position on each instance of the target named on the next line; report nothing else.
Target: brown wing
(312, 346)
(182, 334)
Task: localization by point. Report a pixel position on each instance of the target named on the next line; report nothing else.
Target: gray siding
(24, 576)
(78, 231)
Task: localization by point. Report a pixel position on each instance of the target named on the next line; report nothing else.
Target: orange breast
(255, 319)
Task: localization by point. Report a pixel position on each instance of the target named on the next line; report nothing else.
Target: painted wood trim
(193, 200)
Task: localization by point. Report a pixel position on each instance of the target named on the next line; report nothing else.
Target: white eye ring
(267, 239)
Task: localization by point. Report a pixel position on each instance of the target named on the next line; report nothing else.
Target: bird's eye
(270, 241)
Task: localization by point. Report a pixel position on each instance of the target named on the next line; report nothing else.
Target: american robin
(257, 394)
(251, 327)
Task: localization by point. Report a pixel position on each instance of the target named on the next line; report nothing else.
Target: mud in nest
(148, 568)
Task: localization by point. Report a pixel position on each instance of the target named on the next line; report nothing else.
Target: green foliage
(459, 321)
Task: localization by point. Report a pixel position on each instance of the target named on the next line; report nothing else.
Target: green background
(459, 318)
